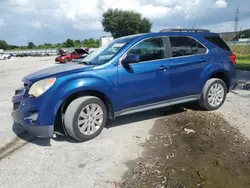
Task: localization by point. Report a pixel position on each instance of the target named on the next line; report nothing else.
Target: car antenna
(194, 23)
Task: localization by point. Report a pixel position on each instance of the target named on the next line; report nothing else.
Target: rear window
(218, 41)
(186, 46)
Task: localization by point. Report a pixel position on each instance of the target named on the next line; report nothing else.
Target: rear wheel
(213, 94)
(85, 118)
(66, 60)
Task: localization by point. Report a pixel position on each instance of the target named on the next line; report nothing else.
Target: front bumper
(24, 107)
(59, 60)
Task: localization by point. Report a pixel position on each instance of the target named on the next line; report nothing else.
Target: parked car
(69, 56)
(4, 56)
(128, 75)
(81, 58)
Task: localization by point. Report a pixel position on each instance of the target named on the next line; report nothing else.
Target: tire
(66, 60)
(207, 94)
(72, 118)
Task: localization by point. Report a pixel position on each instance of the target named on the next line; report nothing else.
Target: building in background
(105, 40)
(245, 40)
(227, 36)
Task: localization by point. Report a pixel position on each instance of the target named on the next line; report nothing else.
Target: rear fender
(212, 69)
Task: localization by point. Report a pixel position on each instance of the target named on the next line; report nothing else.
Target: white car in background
(4, 56)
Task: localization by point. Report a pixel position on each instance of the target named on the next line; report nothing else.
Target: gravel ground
(62, 162)
(191, 149)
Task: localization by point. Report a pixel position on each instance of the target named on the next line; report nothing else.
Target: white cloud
(221, 27)
(220, 4)
(36, 24)
(1, 22)
(22, 5)
(152, 11)
(66, 18)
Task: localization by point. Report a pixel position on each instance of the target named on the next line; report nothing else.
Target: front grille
(16, 105)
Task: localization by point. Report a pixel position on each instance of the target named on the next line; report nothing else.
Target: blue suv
(128, 75)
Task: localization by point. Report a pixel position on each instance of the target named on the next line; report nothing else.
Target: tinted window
(218, 41)
(106, 52)
(184, 46)
(80, 51)
(148, 50)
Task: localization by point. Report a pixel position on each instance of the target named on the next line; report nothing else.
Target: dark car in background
(66, 57)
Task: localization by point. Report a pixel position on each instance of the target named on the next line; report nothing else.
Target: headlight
(39, 87)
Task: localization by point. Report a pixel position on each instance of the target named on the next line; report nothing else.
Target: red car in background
(66, 57)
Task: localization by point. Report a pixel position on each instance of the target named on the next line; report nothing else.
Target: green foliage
(243, 34)
(241, 51)
(31, 45)
(68, 43)
(4, 45)
(90, 43)
(12, 47)
(121, 23)
(77, 43)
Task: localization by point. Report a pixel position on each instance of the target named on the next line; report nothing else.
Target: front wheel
(213, 94)
(85, 118)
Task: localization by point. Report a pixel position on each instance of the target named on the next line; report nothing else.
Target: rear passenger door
(187, 61)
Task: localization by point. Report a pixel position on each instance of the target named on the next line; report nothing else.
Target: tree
(243, 34)
(4, 45)
(77, 43)
(91, 43)
(121, 23)
(12, 47)
(31, 45)
(68, 43)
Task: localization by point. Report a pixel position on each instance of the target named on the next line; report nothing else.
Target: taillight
(233, 58)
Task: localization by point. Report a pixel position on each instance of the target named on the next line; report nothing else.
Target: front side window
(149, 49)
(185, 46)
(103, 54)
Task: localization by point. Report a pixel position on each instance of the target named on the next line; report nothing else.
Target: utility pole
(237, 19)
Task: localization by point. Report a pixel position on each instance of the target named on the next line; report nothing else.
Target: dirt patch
(191, 149)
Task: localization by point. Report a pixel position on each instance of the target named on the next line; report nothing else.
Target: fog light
(33, 117)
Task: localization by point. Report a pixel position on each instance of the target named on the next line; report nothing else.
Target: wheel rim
(216, 95)
(90, 119)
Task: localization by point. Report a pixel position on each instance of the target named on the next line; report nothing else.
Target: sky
(53, 21)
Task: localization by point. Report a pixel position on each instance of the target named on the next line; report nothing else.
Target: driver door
(140, 83)
(75, 55)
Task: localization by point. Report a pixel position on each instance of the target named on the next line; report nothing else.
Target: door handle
(162, 67)
(202, 60)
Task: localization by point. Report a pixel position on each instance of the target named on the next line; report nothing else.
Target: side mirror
(129, 59)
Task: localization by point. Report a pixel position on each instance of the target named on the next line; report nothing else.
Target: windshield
(106, 52)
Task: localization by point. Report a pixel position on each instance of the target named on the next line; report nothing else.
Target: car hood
(55, 71)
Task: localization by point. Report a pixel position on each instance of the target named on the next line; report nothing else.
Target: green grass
(243, 64)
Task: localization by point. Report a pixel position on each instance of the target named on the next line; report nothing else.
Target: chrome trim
(120, 60)
(157, 105)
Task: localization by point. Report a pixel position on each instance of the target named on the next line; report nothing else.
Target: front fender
(59, 93)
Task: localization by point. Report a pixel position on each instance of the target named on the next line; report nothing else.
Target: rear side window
(149, 49)
(218, 41)
(185, 46)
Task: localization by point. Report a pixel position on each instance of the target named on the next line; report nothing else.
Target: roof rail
(184, 30)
